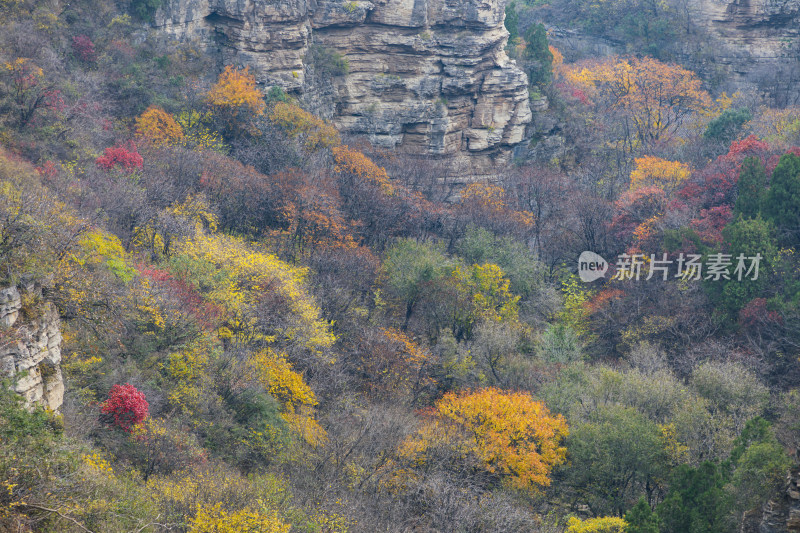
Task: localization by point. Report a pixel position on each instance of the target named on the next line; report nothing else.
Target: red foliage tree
(126, 406)
(126, 158)
(84, 48)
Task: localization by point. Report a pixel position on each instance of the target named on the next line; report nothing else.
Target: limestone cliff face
(782, 514)
(754, 43)
(30, 346)
(427, 76)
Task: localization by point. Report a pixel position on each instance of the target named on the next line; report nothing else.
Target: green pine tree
(696, 502)
(752, 185)
(512, 22)
(537, 52)
(641, 518)
(747, 237)
(782, 202)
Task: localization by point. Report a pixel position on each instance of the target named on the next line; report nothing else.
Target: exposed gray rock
(30, 349)
(426, 76)
(782, 514)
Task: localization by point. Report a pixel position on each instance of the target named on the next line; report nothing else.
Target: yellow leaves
(187, 369)
(215, 519)
(355, 163)
(296, 122)
(777, 126)
(488, 289)
(558, 60)
(275, 373)
(485, 193)
(490, 199)
(197, 135)
(653, 171)
(245, 277)
(605, 524)
(98, 464)
(302, 423)
(196, 209)
(655, 96)
(189, 490)
(98, 246)
(512, 435)
(676, 451)
(575, 310)
(22, 66)
(236, 89)
(158, 127)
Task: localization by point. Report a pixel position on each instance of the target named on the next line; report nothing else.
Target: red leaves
(126, 406)
(710, 223)
(127, 159)
(183, 294)
(746, 147)
(755, 314)
(84, 48)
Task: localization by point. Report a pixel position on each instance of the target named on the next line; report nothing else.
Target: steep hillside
(427, 76)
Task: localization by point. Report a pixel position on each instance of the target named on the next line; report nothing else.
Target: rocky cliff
(30, 345)
(782, 514)
(426, 76)
(752, 43)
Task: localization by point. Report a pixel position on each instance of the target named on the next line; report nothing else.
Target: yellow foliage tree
(215, 519)
(657, 172)
(243, 277)
(187, 369)
(777, 126)
(654, 98)
(511, 435)
(605, 524)
(236, 90)
(276, 374)
(158, 127)
(558, 60)
(314, 132)
(484, 294)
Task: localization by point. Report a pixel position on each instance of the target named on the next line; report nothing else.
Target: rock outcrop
(30, 346)
(752, 43)
(426, 76)
(782, 514)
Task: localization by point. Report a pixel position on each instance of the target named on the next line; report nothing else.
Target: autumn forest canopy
(269, 325)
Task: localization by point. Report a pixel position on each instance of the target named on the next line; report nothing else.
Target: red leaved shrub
(126, 406)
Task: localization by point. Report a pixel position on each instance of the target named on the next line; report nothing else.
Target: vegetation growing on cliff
(272, 327)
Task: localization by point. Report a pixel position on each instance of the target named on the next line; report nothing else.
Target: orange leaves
(236, 89)
(558, 60)
(511, 435)
(486, 204)
(357, 164)
(314, 132)
(158, 127)
(393, 363)
(657, 172)
(656, 97)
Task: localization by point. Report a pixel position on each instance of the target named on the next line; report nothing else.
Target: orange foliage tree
(657, 172)
(158, 127)
(235, 91)
(313, 132)
(354, 163)
(655, 99)
(511, 435)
